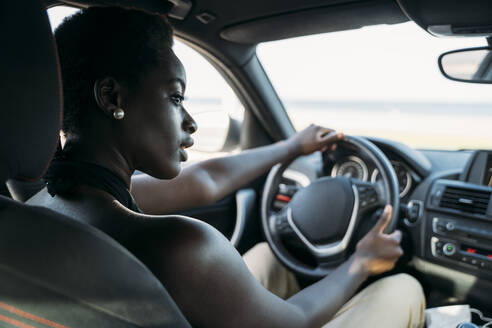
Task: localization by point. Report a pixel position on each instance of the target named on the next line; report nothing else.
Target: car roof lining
(324, 19)
(154, 6)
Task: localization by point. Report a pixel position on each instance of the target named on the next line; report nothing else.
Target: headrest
(30, 91)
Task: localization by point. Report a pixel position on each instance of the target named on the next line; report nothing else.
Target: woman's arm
(221, 292)
(206, 182)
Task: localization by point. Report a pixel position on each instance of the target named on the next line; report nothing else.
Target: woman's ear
(107, 93)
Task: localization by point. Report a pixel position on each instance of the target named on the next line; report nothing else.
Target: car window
(380, 81)
(210, 100)
(208, 97)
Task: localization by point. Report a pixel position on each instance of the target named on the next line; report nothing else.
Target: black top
(64, 175)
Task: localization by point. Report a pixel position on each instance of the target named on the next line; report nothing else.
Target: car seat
(55, 271)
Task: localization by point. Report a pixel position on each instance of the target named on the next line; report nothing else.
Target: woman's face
(158, 128)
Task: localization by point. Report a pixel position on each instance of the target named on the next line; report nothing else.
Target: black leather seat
(23, 190)
(55, 271)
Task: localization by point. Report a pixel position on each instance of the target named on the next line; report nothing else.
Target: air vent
(465, 200)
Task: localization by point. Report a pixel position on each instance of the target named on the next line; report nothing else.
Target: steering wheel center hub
(322, 211)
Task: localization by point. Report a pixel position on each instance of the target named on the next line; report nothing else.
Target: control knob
(450, 226)
(449, 249)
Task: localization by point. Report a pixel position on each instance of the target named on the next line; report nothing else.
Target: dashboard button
(450, 226)
(449, 249)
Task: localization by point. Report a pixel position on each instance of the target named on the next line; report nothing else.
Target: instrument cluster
(355, 167)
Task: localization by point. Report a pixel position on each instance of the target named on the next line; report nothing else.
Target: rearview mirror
(467, 65)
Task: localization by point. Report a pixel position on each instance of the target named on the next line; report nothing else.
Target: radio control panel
(453, 250)
(462, 241)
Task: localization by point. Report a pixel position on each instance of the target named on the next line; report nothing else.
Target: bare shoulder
(90, 205)
(42, 198)
(181, 240)
(207, 277)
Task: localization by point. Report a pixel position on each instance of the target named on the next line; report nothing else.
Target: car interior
(60, 272)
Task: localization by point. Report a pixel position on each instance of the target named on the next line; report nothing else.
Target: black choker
(64, 175)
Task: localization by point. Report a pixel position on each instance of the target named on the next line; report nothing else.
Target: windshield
(380, 81)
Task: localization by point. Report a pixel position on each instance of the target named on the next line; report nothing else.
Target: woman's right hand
(378, 252)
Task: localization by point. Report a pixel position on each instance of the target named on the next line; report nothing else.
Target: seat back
(23, 190)
(55, 271)
(59, 270)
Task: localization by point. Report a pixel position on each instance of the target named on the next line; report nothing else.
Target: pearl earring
(118, 114)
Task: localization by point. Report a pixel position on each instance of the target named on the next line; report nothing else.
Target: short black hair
(101, 42)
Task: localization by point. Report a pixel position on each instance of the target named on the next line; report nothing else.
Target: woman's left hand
(313, 138)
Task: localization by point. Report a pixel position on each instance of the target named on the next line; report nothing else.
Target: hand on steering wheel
(378, 252)
(313, 138)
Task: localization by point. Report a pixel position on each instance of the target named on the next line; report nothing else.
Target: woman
(123, 93)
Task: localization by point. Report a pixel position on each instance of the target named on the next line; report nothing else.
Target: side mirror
(467, 65)
(217, 132)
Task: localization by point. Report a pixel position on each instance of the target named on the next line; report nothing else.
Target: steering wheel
(323, 217)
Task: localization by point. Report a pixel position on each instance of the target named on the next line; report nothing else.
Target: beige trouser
(392, 302)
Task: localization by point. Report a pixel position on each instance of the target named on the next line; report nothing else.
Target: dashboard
(450, 236)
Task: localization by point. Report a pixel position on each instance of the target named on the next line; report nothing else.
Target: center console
(459, 219)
